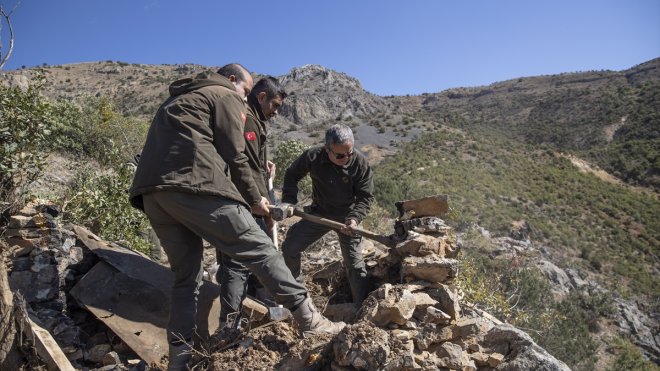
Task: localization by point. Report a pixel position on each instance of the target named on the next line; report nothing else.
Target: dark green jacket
(337, 192)
(255, 144)
(195, 143)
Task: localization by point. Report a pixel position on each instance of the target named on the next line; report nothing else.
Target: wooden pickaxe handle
(385, 240)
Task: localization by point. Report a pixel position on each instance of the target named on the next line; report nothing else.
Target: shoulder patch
(250, 135)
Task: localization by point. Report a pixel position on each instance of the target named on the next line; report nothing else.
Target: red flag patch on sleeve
(250, 135)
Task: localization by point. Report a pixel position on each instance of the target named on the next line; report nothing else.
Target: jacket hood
(203, 79)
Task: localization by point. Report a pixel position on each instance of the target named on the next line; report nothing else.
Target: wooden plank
(47, 348)
(428, 206)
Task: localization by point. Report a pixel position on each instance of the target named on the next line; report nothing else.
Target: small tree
(27, 120)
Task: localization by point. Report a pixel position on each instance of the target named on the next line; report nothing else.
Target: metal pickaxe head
(255, 309)
(278, 313)
(427, 206)
(281, 211)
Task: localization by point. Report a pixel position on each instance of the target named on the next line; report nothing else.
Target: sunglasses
(341, 156)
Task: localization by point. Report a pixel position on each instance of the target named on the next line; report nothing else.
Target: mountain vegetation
(576, 156)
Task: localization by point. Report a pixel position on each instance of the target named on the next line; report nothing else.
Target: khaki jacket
(195, 143)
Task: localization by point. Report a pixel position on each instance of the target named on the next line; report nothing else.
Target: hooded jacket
(195, 143)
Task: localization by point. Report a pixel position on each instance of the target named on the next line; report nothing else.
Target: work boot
(312, 322)
(180, 356)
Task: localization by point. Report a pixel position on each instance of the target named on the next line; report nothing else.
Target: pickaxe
(432, 206)
(279, 213)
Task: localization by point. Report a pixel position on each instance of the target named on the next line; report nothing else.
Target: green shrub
(98, 198)
(100, 132)
(629, 358)
(27, 121)
(285, 153)
(100, 202)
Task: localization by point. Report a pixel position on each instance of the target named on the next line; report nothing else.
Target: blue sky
(392, 47)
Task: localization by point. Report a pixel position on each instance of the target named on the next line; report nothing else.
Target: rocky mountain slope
(509, 151)
(599, 115)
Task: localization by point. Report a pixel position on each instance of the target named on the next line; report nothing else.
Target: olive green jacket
(195, 143)
(255, 144)
(337, 192)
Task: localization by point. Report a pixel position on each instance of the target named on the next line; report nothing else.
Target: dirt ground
(277, 346)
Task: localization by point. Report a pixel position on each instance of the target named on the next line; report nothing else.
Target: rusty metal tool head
(421, 207)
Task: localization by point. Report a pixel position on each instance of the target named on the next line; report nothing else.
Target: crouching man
(342, 188)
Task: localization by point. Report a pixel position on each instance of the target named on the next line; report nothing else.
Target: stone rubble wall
(415, 321)
(46, 262)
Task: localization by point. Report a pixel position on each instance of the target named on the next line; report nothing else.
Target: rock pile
(414, 320)
(46, 262)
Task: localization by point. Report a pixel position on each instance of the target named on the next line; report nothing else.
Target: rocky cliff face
(319, 94)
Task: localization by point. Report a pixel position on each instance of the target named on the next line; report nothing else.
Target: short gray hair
(338, 134)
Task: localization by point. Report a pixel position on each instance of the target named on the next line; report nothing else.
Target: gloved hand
(281, 211)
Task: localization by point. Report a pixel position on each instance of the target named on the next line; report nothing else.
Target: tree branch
(7, 17)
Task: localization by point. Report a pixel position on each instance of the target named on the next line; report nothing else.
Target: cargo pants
(304, 233)
(235, 281)
(182, 220)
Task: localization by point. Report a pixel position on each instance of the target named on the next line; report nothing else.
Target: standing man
(342, 188)
(263, 103)
(193, 181)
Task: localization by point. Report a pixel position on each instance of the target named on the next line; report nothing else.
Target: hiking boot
(312, 322)
(179, 357)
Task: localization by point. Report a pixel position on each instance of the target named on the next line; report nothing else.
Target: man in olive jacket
(342, 188)
(193, 182)
(263, 103)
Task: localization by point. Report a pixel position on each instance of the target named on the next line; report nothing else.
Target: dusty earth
(276, 345)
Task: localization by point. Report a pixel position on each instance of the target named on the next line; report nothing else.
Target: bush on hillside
(285, 153)
(518, 294)
(27, 121)
(628, 357)
(100, 202)
(100, 132)
(98, 198)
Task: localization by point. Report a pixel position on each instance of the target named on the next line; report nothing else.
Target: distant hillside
(609, 118)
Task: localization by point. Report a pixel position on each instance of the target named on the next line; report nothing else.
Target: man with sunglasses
(342, 190)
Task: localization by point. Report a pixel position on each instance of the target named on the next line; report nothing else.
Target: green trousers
(304, 233)
(182, 220)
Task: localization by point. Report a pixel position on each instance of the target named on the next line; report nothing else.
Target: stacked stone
(413, 321)
(46, 263)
